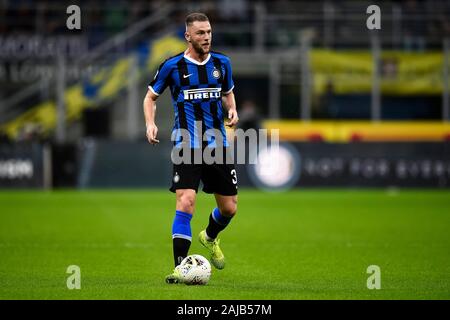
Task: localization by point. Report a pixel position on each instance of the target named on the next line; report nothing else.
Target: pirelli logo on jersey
(203, 93)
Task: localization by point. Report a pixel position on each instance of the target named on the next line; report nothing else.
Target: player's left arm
(230, 105)
(228, 95)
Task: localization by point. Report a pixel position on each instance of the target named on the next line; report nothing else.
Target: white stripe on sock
(182, 236)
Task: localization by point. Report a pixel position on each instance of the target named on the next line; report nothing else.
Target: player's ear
(187, 36)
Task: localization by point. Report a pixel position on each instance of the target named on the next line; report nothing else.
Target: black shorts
(216, 178)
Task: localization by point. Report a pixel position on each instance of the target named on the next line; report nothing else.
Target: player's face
(199, 34)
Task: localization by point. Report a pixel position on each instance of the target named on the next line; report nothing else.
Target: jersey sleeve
(161, 79)
(228, 83)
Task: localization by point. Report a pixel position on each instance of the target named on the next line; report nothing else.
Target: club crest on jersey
(202, 93)
(216, 73)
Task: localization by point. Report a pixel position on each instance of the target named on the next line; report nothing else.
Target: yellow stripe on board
(333, 131)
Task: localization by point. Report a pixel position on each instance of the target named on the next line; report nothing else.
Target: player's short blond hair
(196, 16)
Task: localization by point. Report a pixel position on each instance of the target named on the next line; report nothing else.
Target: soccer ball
(195, 270)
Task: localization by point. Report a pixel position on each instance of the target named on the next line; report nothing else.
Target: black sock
(213, 228)
(180, 249)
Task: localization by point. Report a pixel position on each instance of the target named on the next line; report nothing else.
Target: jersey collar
(196, 62)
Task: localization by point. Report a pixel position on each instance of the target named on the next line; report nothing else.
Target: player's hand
(233, 117)
(152, 131)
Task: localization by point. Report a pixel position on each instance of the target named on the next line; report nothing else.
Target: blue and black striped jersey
(196, 90)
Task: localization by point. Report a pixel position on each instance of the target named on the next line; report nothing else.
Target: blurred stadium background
(355, 108)
(70, 99)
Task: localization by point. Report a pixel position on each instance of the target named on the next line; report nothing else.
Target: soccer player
(199, 80)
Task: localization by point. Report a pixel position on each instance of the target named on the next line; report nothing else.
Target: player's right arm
(149, 113)
(156, 87)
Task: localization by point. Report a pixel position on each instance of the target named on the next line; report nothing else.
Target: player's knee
(186, 202)
(229, 209)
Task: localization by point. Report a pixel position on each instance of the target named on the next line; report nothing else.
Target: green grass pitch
(308, 244)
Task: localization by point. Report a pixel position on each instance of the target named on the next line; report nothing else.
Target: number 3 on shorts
(233, 173)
